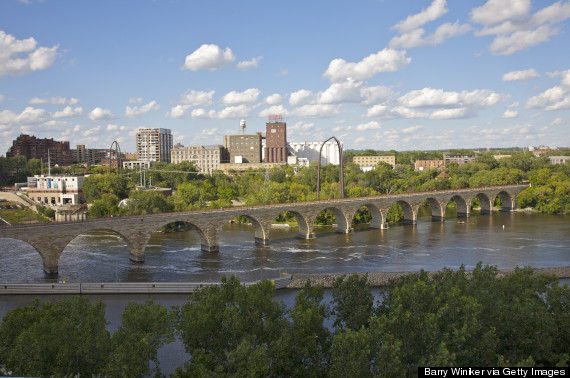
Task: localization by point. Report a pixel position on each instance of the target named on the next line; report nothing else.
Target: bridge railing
(233, 209)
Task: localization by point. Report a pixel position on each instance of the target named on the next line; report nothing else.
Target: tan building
(425, 165)
(367, 163)
(459, 159)
(242, 148)
(558, 159)
(205, 158)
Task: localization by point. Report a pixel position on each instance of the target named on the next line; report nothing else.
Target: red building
(34, 148)
(275, 140)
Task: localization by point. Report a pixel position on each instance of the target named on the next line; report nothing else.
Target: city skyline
(376, 74)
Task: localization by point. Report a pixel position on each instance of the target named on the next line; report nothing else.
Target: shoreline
(379, 279)
(294, 281)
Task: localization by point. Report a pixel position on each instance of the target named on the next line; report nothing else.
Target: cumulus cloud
(433, 12)
(347, 91)
(248, 64)
(178, 111)
(520, 75)
(135, 100)
(208, 57)
(20, 57)
(555, 98)
(274, 109)
(415, 38)
(301, 97)
(99, 114)
(136, 111)
(514, 27)
(386, 60)
(273, 99)
(238, 111)
(316, 111)
(510, 114)
(197, 98)
(69, 112)
(246, 97)
(54, 101)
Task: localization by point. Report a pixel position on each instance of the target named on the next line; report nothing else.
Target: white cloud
(448, 113)
(69, 112)
(99, 114)
(238, 111)
(316, 111)
(430, 97)
(136, 111)
(510, 114)
(202, 113)
(433, 12)
(274, 109)
(178, 111)
(521, 40)
(415, 38)
(554, 98)
(495, 11)
(20, 57)
(513, 25)
(247, 64)
(54, 101)
(208, 57)
(347, 91)
(373, 125)
(135, 100)
(558, 121)
(386, 60)
(520, 75)
(197, 98)
(32, 116)
(273, 99)
(92, 131)
(236, 98)
(301, 97)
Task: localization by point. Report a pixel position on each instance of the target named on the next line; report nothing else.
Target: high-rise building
(34, 148)
(88, 155)
(275, 140)
(154, 144)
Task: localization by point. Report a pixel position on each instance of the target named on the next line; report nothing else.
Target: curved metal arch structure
(118, 153)
(341, 172)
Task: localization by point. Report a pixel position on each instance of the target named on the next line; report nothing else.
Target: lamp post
(341, 173)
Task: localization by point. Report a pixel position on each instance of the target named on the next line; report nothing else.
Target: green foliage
(107, 206)
(109, 183)
(55, 339)
(144, 329)
(353, 302)
(146, 202)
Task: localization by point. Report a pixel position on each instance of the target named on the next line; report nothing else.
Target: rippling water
(502, 239)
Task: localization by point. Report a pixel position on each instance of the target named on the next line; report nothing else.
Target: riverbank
(382, 278)
(296, 281)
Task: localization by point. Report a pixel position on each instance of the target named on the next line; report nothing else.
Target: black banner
(492, 372)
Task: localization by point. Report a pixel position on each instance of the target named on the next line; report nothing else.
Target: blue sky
(380, 74)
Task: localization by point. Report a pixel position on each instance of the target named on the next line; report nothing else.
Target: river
(502, 239)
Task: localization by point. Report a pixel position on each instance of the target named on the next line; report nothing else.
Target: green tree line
(450, 318)
(550, 190)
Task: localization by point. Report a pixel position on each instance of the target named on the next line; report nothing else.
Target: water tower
(242, 126)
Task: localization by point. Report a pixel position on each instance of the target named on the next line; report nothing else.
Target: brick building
(275, 140)
(35, 148)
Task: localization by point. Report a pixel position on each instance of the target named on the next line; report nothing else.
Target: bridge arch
(437, 209)
(485, 201)
(192, 225)
(343, 224)
(410, 214)
(378, 217)
(508, 202)
(462, 206)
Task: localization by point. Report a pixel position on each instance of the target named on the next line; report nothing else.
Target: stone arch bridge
(50, 239)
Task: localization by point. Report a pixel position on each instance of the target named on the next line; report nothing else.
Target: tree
(352, 302)
(109, 183)
(107, 206)
(144, 329)
(221, 325)
(146, 202)
(65, 338)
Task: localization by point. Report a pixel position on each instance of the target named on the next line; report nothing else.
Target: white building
(310, 151)
(558, 159)
(205, 158)
(56, 190)
(368, 163)
(154, 144)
